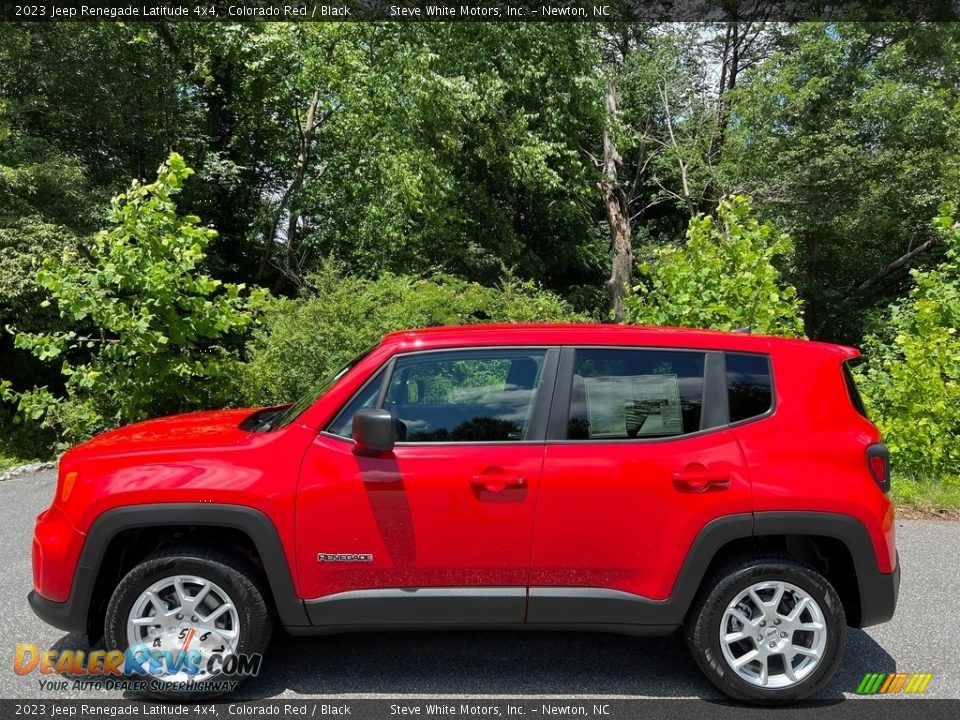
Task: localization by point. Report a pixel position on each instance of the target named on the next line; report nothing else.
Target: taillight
(878, 460)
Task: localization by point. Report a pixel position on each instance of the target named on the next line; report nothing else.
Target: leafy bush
(911, 380)
(724, 277)
(22, 443)
(300, 341)
(147, 326)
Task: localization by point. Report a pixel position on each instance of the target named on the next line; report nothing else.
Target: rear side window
(633, 394)
(852, 390)
(749, 386)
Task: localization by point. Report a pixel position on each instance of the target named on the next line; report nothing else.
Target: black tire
(704, 621)
(231, 572)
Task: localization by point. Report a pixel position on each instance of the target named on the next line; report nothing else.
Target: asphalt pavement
(923, 637)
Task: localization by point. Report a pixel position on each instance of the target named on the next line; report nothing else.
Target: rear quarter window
(852, 390)
(749, 385)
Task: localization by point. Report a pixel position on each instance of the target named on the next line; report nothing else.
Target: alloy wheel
(184, 613)
(773, 634)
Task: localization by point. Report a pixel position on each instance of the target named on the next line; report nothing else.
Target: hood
(175, 432)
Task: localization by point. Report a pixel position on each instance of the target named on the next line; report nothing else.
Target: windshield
(295, 410)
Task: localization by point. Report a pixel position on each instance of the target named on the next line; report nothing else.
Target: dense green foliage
(724, 277)
(430, 161)
(337, 317)
(911, 379)
(848, 137)
(142, 326)
(472, 148)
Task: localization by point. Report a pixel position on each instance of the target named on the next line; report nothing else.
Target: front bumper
(61, 586)
(56, 554)
(878, 595)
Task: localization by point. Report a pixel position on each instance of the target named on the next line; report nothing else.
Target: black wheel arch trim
(72, 615)
(877, 591)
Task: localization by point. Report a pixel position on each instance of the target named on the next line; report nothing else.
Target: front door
(440, 529)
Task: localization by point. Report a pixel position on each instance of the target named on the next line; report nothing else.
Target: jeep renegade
(610, 478)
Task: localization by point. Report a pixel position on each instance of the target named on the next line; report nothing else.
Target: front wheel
(193, 620)
(768, 631)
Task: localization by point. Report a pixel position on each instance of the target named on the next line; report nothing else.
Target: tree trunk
(288, 201)
(728, 81)
(618, 216)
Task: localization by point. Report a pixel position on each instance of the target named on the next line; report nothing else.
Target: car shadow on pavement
(510, 663)
(76, 641)
(863, 655)
(502, 663)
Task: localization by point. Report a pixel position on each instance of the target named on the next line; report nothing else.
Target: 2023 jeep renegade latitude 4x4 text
(628, 479)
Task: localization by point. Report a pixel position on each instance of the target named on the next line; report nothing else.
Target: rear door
(639, 459)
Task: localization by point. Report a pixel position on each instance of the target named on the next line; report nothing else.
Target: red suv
(612, 478)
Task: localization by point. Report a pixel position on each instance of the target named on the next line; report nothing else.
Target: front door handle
(697, 479)
(498, 482)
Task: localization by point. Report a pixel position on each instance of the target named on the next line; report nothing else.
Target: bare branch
(685, 181)
(898, 263)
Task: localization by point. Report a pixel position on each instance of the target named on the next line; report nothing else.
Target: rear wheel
(768, 630)
(195, 611)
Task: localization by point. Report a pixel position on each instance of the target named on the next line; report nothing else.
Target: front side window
(633, 394)
(464, 396)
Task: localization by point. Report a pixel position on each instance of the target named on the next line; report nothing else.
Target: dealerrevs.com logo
(197, 665)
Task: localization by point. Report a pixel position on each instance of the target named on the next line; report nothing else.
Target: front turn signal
(68, 482)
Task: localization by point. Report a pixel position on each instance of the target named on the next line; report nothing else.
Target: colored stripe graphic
(892, 683)
(898, 684)
(888, 683)
(862, 687)
(918, 683)
(875, 683)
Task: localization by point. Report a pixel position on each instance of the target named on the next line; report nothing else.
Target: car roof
(600, 334)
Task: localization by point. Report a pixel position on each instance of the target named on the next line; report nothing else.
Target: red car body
(625, 517)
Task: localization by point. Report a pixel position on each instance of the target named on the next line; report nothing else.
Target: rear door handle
(697, 478)
(498, 482)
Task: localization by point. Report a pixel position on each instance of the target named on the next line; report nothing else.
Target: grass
(10, 459)
(926, 493)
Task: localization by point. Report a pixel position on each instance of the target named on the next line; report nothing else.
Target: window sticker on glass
(635, 406)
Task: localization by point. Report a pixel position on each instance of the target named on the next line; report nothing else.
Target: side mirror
(373, 431)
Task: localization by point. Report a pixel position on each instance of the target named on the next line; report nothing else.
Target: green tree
(458, 149)
(337, 316)
(724, 277)
(149, 331)
(911, 378)
(44, 207)
(847, 138)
